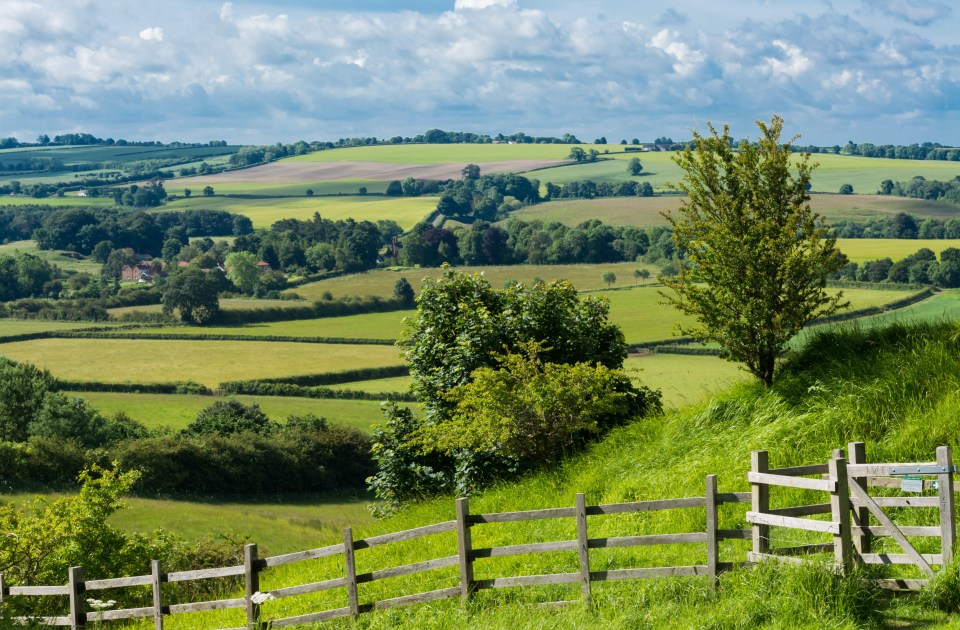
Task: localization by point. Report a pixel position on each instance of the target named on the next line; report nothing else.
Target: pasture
(206, 362)
(646, 211)
(860, 250)
(445, 153)
(364, 326)
(68, 261)
(406, 211)
(281, 524)
(226, 304)
(10, 327)
(684, 379)
(176, 411)
(67, 200)
(234, 183)
(380, 282)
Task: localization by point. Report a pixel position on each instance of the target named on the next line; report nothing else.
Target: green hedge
(337, 378)
(260, 388)
(178, 387)
(212, 337)
(335, 308)
(694, 350)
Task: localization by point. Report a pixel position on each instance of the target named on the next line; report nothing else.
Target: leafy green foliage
(533, 411)
(22, 388)
(194, 293)
(756, 256)
(228, 417)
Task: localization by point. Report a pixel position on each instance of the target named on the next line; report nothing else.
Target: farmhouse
(143, 271)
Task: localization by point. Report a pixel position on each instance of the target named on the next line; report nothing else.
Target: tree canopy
(755, 257)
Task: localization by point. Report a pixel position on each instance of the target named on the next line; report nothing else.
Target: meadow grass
(206, 362)
(365, 326)
(395, 384)
(684, 379)
(226, 304)
(54, 257)
(176, 411)
(279, 525)
(860, 250)
(264, 212)
(223, 185)
(896, 389)
(381, 281)
(646, 211)
(9, 327)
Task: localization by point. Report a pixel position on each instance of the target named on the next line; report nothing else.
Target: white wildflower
(259, 598)
(99, 604)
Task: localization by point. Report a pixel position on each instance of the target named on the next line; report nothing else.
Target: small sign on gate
(911, 484)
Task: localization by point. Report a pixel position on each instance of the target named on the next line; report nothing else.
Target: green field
(67, 200)
(178, 410)
(380, 385)
(860, 250)
(365, 326)
(64, 261)
(406, 211)
(380, 282)
(684, 379)
(226, 304)
(224, 186)
(646, 211)
(206, 362)
(278, 525)
(9, 327)
(443, 153)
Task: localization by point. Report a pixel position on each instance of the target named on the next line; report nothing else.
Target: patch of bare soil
(294, 172)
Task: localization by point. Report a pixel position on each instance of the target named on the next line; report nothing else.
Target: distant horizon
(259, 72)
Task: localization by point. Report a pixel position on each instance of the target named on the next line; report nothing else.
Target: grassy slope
(178, 410)
(896, 389)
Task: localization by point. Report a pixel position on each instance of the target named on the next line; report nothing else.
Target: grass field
(646, 211)
(225, 186)
(406, 211)
(57, 258)
(684, 379)
(67, 200)
(9, 327)
(436, 153)
(861, 250)
(365, 326)
(226, 304)
(178, 410)
(381, 281)
(279, 525)
(206, 362)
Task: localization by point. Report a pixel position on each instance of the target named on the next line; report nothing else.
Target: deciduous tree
(755, 256)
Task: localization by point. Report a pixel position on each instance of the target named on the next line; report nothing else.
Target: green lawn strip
(205, 362)
(860, 250)
(264, 212)
(178, 410)
(278, 526)
(375, 326)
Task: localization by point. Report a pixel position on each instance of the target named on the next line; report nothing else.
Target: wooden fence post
(713, 544)
(840, 511)
(350, 565)
(948, 514)
(464, 549)
(78, 617)
(861, 515)
(251, 579)
(155, 580)
(583, 548)
(760, 501)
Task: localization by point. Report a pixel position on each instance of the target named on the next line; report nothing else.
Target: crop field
(176, 411)
(364, 326)
(277, 525)
(440, 153)
(863, 249)
(380, 282)
(684, 379)
(406, 211)
(646, 211)
(232, 184)
(67, 200)
(10, 326)
(206, 362)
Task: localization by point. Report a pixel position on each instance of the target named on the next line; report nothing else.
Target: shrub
(231, 416)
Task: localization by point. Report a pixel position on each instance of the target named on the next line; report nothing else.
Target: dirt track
(294, 172)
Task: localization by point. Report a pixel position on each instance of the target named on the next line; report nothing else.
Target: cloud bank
(247, 72)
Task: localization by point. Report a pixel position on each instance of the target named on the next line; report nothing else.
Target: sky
(255, 72)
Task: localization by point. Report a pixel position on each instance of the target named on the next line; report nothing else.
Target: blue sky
(248, 71)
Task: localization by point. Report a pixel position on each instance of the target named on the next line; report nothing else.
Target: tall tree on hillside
(755, 256)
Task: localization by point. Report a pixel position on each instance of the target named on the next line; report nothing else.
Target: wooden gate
(858, 518)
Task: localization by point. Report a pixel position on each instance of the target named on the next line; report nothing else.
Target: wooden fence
(849, 505)
(464, 556)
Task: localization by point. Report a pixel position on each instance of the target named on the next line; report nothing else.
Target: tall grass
(897, 389)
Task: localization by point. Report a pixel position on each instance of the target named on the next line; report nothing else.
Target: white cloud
(226, 12)
(482, 4)
(152, 34)
(794, 65)
(686, 59)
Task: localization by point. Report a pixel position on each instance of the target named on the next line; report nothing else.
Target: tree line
(921, 267)
(899, 226)
(923, 151)
(921, 188)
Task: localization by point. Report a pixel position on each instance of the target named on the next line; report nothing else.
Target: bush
(228, 417)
